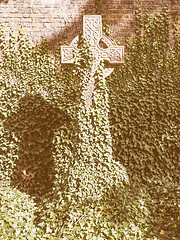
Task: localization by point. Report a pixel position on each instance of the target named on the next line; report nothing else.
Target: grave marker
(95, 167)
(111, 53)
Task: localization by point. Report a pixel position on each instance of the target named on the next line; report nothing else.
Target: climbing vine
(104, 166)
(144, 95)
(98, 6)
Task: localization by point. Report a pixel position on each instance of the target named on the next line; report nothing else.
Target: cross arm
(114, 54)
(67, 54)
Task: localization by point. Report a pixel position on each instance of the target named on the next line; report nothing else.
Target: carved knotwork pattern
(92, 30)
(103, 55)
(89, 92)
(115, 55)
(68, 55)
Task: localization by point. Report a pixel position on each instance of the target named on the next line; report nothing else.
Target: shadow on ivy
(34, 125)
(124, 210)
(130, 211)
(151, 166)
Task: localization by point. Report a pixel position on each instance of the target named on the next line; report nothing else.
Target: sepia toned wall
(61, 20)
(120, 14)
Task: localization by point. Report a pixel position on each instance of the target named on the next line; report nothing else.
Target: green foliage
(17, 214)
(144, 97)
(107, 170)
(98, 6)
(94, 164)
(105, 29)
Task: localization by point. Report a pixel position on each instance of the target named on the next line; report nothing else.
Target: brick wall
(119, 14)
(44, 17)
(60, 20)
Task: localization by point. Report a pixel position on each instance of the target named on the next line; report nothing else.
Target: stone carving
(115, 54)
(92, 29)
(67, 54)
(92, 32)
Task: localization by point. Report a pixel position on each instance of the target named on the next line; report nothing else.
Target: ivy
(104, 166)
(98, 6)
(144, 117)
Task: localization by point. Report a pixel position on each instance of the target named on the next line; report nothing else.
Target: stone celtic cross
(102, 48)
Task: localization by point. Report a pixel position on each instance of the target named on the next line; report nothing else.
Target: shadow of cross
(111, 53)
(34, 124)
